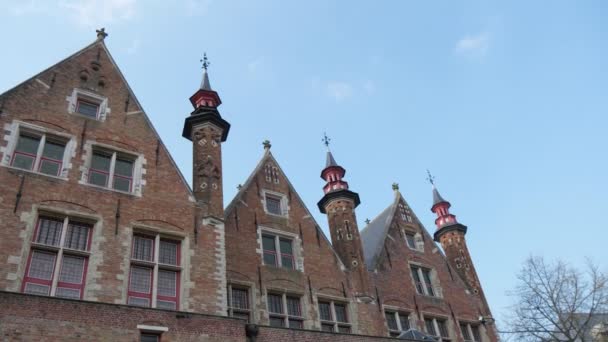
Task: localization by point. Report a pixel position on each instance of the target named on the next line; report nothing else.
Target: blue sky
(506, 103)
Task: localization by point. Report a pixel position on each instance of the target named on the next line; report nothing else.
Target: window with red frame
(39, 153)
(278, 251)
(155, 264)
(60, 251)
(285, 311)
(112, 170)
(333, 316)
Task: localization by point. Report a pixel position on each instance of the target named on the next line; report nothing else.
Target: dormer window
(88, 104)
(87, 108)
(274, 203)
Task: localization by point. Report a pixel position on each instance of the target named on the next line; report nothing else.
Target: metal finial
(205, 61)
(430, 177)
(326, 140)
(367, 221)
(239, 187)
(395, 186)
(266, 144)
(101, 33)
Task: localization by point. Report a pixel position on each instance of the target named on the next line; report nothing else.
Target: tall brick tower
(339, 204)
(207, 131)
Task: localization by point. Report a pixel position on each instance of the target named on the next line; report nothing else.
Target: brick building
(102, 238)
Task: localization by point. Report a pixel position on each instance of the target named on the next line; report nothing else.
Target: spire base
(202, 115)
(343, 193)
(453, 227)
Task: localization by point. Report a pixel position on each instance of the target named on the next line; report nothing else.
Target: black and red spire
(333, 175)
(205, 96)
(445, 221)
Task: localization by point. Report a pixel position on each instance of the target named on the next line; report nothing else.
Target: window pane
(327, 327)
(49, 167)
(143, 248)
(277, 321)
(340, 313)
(98, 178)
(123, 167)
(405, 322)
(275, 303)
(49, 231)
(23, 161)
(122, 184)
(411, 242)
(72, 269)
(87, 108)
(163, 304)
(64, 292)
(53, 150)
(430, 327)
(268, 243)
(145, 302)
(167, 253)
(343, 329)
(149, 338)
(101, 161)
(77, 236)
(293, 306)
(391, 321)
(296, 324)
(285, 245)
(42, 265)
(273, 205)
(37, 289)
(239, 299)
(27, 144)
(325, 311)
(427, 279)
(287, 261)
(443, 329)
(167, 283)
(465, 332)
(140, 279)
(416, 277)
(270, 259)
(476, 335)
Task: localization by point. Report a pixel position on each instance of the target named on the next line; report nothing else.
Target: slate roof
(330, 160)
(373, 235)
(437, 197)
(205, 84)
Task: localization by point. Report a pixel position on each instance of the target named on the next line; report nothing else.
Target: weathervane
(326, 140)
(430, 177)
(205, 61)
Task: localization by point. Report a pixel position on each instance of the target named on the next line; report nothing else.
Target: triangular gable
(268, 157)
(100, 43)
(375, 233)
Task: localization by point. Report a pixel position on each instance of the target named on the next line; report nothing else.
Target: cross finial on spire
(367, 221)
(205, 61)
(101, 33)
(430, 177)
(326, 140)
(266, 144)
(395, 186)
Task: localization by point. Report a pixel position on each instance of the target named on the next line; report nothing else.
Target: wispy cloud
(473, 45)
(26, 7)
(93, 13)
(339, 91)
(197, 7)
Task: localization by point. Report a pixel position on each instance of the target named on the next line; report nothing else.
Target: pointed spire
(436, 196)
(330, 161)
(205, 84)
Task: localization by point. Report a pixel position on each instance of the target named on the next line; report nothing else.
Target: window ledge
(34, 172)
(109, 189)
(96, 119)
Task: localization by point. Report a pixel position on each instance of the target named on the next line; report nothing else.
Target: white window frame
(397, 313)
(17, 127)
(285, 316)
(91, 97)
(296, 247)
(156, 265)
(469, 327)
(332, 310)
(437, 330)
(437, 290)
(282, 199)
(138, 167)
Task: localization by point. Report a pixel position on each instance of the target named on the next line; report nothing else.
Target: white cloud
(26, 7)
(473, 45)
(340, 91)
(94, 13)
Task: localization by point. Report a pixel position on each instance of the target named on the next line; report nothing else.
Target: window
(148, 337)
(470, 332)
(333, 316)
(39, 152)
(155, 264)
(437, 328)
(278, 251)
(58, 260)
(285, 311)
(88, 104)
(411, 240)
(112, 170)
(273, 205)
(397, 322)
(87, 108)
(238, 302)
(422, 280)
